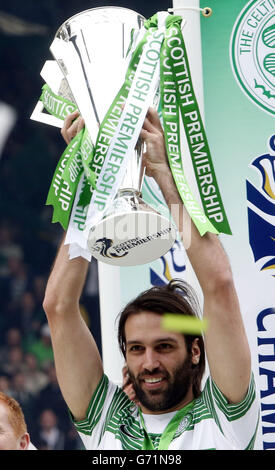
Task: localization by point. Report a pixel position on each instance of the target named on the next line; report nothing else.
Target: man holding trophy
(165, 406)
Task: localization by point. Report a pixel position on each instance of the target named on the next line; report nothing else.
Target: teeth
(151, 381)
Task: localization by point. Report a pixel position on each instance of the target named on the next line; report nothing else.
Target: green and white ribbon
(75, 160)
(56, 105)
(178, 98)
(88, 177)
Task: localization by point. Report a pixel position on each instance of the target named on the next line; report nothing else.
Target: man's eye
(164, 346)
(135, 348)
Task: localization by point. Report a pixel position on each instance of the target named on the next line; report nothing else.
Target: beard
(178, 385)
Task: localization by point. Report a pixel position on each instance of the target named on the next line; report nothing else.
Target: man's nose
(151, 360)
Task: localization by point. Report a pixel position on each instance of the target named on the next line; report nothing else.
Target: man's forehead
(146, 325)
(4, 412)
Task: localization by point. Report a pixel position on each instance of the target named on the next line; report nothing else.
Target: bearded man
(165, 369)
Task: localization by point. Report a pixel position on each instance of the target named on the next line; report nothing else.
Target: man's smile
(152, 383)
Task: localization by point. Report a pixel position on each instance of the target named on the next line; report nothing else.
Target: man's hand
(155, 157)
(73, 124)
(127, 386)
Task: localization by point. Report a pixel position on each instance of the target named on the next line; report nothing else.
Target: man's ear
(196, 352)
(24, 441)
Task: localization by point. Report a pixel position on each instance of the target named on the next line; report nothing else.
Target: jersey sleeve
(90, 427)
(105, 401)
(238, 422)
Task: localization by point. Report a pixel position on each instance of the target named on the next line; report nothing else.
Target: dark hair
(176, 297)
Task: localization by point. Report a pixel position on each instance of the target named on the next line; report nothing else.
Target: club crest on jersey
(185, 422)
(261, 211)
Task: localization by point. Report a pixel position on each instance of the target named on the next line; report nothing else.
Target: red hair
(15, 414)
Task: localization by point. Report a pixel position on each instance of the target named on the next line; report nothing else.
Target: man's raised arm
(77, 360)
(226, 343)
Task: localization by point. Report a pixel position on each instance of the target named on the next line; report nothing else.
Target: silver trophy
(90, 52)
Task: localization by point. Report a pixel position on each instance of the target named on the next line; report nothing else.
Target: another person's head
(5, 384)
(48, 419)
(165, 367)
(13, 337)
(13, 429)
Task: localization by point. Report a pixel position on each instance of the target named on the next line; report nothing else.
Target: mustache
(148, 373)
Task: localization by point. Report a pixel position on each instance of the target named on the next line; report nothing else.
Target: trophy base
(132, 234)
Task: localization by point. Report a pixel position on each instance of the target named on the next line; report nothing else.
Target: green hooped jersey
(113, 422)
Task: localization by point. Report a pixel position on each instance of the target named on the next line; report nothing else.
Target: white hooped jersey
(113, 422)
